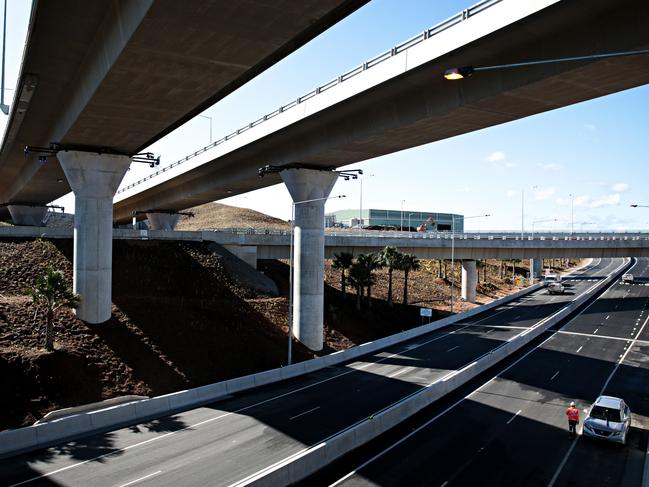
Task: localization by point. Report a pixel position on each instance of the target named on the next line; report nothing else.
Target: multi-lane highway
(513, 430)
(226, 442)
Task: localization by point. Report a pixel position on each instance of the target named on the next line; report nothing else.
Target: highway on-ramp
(228, 441)
(513, 430)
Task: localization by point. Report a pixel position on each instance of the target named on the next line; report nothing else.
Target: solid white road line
(140, 479)
(574, 442)
(514, 416)
(606, 337)
(454, 348)
(305, 412)
(454, 405)
(288, 393)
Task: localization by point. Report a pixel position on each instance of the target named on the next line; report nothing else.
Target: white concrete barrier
(13, 442)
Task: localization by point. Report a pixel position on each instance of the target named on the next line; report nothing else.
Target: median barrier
(20, 440)
(308, 461)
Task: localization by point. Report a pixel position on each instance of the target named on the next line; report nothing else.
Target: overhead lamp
(466, 71)
(458, 73)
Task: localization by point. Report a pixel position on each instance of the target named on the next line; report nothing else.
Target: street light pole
(410, 226)
(572, 214)
(466, 71)
(290, 272)
(401, 223)
(210, 119)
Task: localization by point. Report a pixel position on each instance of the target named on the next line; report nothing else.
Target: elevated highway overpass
(400, 100)
(250, 245)
(392, 102)
(105, 79)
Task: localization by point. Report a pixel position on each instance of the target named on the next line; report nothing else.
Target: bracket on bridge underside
(55, 147)
(346, 174)
(189, 214)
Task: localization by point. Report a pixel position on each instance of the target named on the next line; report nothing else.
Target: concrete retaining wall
(308, 461)
(13, 442)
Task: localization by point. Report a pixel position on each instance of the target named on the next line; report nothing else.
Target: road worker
(573, 419)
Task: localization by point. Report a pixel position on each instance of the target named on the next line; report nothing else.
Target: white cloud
(510, 164)
(496, 156)
(544, 193)
(587, 201)
(511, 193)
(590, 127)
(620, 187)
(552, 166)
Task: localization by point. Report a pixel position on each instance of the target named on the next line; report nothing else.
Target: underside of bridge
(121, 75)
(418, 106)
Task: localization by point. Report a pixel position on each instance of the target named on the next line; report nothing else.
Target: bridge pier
(29, 215)
(162, 221)
(305, 185)
(94, 178)
(536, 268)
(469, 280)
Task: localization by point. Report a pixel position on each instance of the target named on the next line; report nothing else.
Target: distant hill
(217, 215)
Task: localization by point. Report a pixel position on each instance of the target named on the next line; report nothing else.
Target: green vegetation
(343, 261)
(51, 293)
(361, 270)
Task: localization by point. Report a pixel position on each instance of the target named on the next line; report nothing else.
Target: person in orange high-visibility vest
(573, 419)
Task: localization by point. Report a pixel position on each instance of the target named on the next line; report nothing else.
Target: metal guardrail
(447, 235)
(376, 60)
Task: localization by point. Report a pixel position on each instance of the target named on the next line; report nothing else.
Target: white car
(627, 278)
(549, 278)
(556, 288)
(609, 419)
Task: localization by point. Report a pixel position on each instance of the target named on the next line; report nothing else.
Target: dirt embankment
(179, 320)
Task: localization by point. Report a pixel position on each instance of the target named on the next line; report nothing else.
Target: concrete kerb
(356, 435)
(20, 440)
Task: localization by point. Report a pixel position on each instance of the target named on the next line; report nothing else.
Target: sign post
(425, 312)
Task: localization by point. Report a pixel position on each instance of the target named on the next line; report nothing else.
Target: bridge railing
(608, 236)
(376, 60)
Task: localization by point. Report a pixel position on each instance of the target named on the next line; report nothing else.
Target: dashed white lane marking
(555, 374)
(399, 372)
(454, 348)
(596, 330)
(140, 479)
(607, 317)
(514, 416)
(444, 484)
(579, 349)
(305, 412)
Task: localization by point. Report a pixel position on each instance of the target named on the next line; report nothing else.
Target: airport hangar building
(441, 222)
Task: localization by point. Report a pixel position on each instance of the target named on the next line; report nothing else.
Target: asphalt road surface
(512, 431)
(224, 443)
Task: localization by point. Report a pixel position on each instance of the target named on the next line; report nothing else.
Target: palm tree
(370, 262)
(407, 263)
(360, 277)
(343, 261)
(52, 292)
(390, 257)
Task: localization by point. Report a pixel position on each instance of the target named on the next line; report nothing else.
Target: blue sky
(595, 151)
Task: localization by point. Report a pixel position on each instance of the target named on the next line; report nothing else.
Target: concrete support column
(469, 280)
(308, 251)
(29, 215)
(94, 178)
(536, 267)
(162, 221)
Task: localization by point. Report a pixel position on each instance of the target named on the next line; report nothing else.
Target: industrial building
(371, 217)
